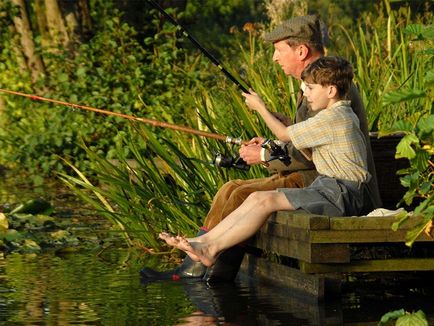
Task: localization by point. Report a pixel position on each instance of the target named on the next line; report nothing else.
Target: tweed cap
(303, 28)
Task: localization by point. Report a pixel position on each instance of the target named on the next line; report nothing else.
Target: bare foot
(197, 251)
(178, 242)
(170, 239)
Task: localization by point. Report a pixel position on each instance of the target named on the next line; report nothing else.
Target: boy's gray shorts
(332, 197)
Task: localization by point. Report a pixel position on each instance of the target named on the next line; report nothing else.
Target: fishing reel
(277, 152)
(237, 162)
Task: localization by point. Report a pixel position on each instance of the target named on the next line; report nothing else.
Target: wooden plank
(281, 230)
(301, 219)
(310, 252)
(369, 223)
(338, 236)
(387, 265)
(311, 285)
(363, 236)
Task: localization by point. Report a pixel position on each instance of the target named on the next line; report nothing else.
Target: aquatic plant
(32, 227)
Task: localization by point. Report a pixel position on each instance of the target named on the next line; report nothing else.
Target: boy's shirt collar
(341, 103)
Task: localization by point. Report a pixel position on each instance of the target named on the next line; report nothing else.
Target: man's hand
(251, 153)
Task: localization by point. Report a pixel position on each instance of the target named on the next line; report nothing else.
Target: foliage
(113, 71)
(404, 318)
(417, 145)
(31, 227)
(386, 58)
(225, 16)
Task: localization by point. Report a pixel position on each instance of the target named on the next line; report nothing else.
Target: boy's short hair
(330, 71)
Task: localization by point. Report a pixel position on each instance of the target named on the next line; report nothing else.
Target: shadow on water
(102, 286)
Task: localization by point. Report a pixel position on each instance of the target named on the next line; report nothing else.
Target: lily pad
(12, 236)
(60, 235)
(30, 246)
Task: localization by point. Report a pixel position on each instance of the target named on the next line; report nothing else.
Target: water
(89, 289)
(101, 286)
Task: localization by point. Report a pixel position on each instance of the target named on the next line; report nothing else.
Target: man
(297, 43)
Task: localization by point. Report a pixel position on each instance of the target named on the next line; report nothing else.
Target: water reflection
(82, 288)
(89, 289)
(242, 303)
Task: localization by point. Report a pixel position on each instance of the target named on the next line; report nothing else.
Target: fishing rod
(152, 122)
(200, 47)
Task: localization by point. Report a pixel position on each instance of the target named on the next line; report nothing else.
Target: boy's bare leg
(240, 225)
(258, 203)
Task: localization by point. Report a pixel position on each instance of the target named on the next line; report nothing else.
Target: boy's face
(318, 96)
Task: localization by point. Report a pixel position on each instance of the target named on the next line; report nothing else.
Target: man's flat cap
(303, 28)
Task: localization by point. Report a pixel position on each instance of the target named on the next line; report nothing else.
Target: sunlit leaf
(414, 29)
(425, 187)
(409, 195)
(392, 315)
(402, 125)
(425, 126)
(30, 245)
(421, 32)
(404, 148)
(3, 221)
(429, 77)
(412, 319)
(400, 219)
(402, 95)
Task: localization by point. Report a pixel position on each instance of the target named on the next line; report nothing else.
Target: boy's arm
(254, 102)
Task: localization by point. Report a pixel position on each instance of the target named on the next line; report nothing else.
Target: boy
(338, 152)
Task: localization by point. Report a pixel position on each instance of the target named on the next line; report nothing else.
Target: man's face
(317, 96)
(287, 57)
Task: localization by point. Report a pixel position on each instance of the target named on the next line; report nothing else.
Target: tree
(24, 29)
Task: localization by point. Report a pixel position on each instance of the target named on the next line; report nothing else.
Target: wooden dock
(313, 254)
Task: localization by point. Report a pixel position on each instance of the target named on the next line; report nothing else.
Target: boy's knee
(262, 197)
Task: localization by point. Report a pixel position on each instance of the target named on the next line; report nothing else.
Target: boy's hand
(256, 141)
(253, 101)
